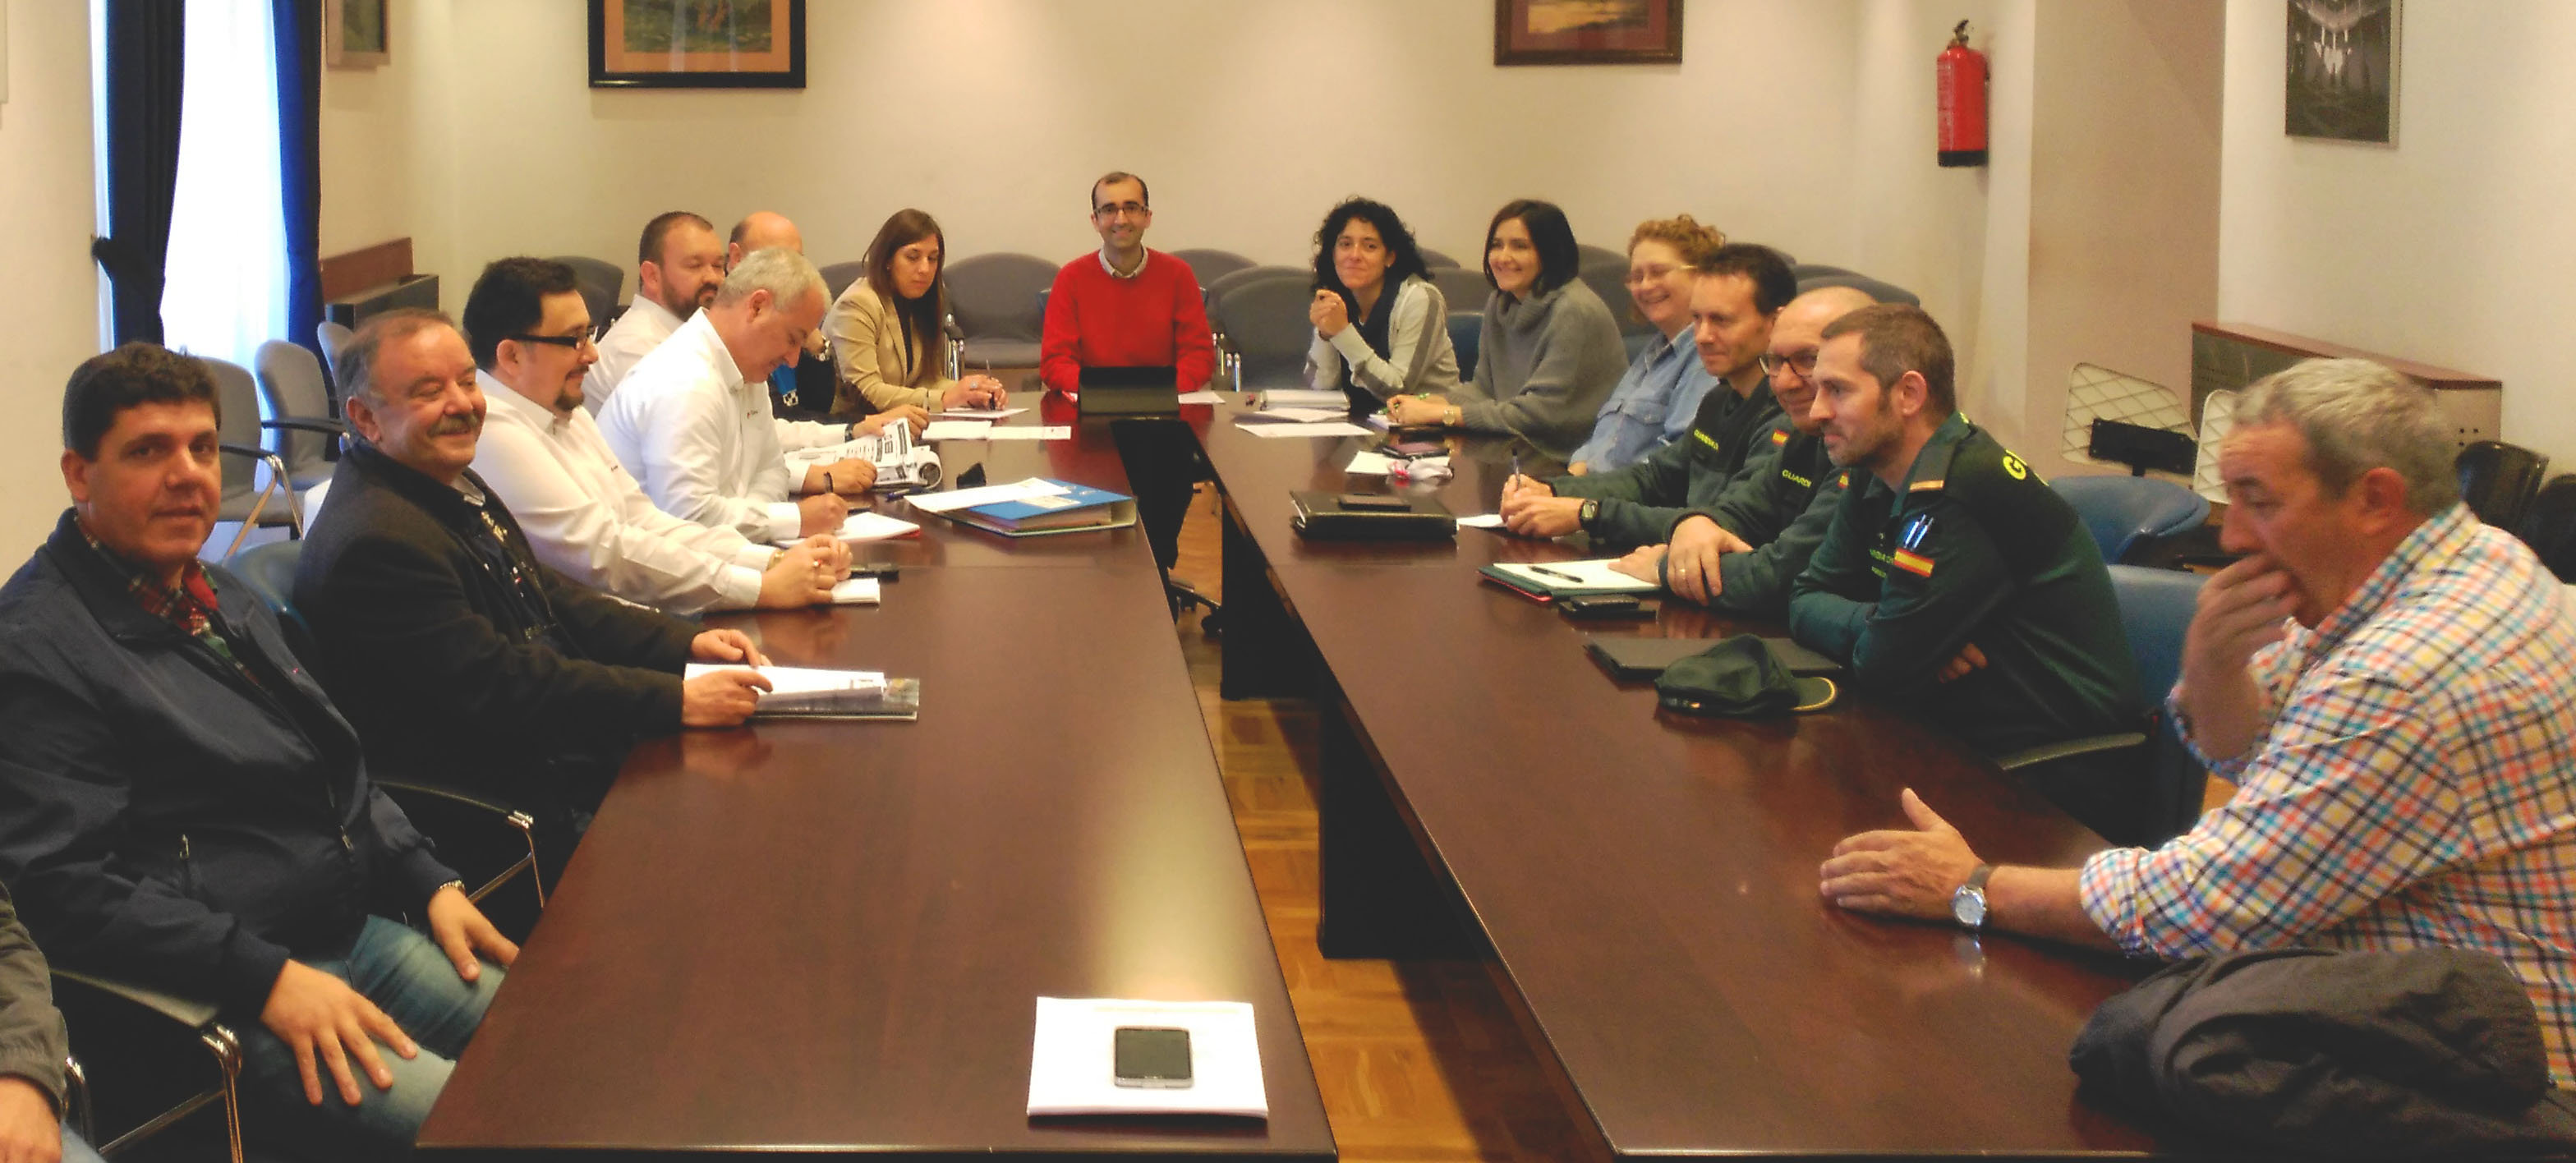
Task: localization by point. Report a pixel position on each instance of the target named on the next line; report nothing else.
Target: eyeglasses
(1643, 276)
(1123, 209)
(1803, 363)
(575, 342)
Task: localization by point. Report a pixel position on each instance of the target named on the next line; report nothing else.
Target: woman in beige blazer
(886, 332)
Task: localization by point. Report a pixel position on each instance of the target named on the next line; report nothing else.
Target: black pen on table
(1556, 573)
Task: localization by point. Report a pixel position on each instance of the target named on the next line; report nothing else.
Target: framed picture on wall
(697, 44)
(2342, 70)
(353, 34)
(1587, 32)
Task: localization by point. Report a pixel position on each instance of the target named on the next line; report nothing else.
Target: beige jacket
(870, 362)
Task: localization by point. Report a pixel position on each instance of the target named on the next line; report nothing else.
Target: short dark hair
(1550, 235)
(1896, 338)
(510, 299)
(358, 359)
(1765, 268)
(134, 374)
(1391, 230)
(649, 247)
(1142, 190)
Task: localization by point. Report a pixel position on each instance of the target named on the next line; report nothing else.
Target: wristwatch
(1591, 509)
(1968, 902)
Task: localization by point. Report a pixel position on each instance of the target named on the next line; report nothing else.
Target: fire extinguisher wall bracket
(1960, 77)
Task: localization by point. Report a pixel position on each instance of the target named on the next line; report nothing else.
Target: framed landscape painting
(697, 44)
(1587, 32)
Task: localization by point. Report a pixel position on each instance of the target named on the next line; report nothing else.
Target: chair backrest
(237, 394)
(1264, 320)
(1222, 285)
(1608, 278)
(2155, 609)
(1210, 265)
(996, 296)
(2123, 512)
(1585, 254)
(602, 285)
(1883, 292)
(270, 571)
(291, 378)
(1436, 260)
(838, 276)
(2499, 480)
(1466, 330)
(1816, 270)
(2549, 526)
(333, 339)
(2217, 419)
(1465, 288)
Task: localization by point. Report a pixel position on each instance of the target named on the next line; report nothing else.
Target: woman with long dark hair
(1548, 352)
(886, 330)
(1381, 327)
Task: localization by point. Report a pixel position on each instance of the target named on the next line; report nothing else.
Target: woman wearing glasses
(1548, 352)
(1381, 328)
(887, 337)
(1653, 403)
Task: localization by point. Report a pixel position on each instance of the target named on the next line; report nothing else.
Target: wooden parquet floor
(1418, 1061)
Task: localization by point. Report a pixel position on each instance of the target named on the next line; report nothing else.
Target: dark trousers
(1163, 462)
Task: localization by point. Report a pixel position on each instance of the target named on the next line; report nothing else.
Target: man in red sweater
(1127, 306)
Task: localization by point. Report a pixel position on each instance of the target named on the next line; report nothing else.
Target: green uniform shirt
(1781, 505)
(1641, 503)
(1975, 548)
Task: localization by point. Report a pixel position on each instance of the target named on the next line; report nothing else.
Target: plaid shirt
(2415, 784)
(190, 606)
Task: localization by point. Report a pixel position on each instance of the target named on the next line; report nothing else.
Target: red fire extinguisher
(1961, 73)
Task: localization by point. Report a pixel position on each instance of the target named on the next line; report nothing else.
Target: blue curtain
(299, 133)
(146, 65)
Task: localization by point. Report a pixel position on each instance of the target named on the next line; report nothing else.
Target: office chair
(602, 285)
(2549, 526)
(2126, 513)
(996, 299)
(2155, 612)
(136, 1036)
(1464, 287)
(1884, 292)
(1210, 265)
(1466, 330)
(247, 490)
(332, 338)
(1607, 274)
(299, 421)
(1436, 260)
(838, 276)
(2499, 480)
(1266, 332)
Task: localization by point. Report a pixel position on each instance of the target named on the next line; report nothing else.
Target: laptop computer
(1130, 391)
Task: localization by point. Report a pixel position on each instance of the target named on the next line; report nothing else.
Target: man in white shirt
(530, 335)
(678, 266)
(693, 424)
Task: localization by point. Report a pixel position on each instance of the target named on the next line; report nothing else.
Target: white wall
(51, 296)
(2454, 247)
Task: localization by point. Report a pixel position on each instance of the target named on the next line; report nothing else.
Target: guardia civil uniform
(1640, 504)
(1781, 505)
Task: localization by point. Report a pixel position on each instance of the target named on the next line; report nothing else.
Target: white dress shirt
(589, 521)
(635, 334)
(700, 440)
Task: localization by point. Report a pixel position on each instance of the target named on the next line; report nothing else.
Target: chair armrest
(402, 788)
(2048, 752)
(309, 424)
(190, 1012)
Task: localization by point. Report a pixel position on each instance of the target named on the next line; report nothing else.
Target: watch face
(1968, 907)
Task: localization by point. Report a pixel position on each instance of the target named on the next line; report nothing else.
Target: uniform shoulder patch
(1926, 486)
(1779, 436)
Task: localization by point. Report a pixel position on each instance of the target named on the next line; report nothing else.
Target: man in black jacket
(34, 1127)
(459, 657)
(182, 807)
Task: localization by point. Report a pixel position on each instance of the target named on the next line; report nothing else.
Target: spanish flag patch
(1779, 436)
(1913, 563)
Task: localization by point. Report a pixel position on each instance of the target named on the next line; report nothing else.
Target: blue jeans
(75, 1151)
(408, 977)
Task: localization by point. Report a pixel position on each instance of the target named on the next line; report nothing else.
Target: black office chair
(838, 276)
(1210, 265)
(2499, 480)
(998, 300)
(1464, 287)
(1466, 331)
(132, 1055)
(1436, 260)
(2155, 612)
(1884, 292)
(601, 283)
(1263, 319)
(2127, 513)
(1606, 272)
(2549, 526)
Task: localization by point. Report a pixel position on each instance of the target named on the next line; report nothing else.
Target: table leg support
(1382, 896)
(1265, 652)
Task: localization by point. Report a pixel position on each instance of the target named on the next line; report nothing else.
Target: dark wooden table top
(831, 936)
(1649, 881)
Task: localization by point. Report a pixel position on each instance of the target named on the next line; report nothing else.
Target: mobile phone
(1152, 1056)
(1371, 503)
(1604, 606)
(1408, 449)
(882, 571)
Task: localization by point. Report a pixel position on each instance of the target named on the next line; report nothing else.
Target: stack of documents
(864, 527)
(814, 693)
(901, 464)
(1303, 398)
(1032, 506)
(1561, 579)
(1073, 1065)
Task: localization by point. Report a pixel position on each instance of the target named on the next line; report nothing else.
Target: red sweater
(1157, 319)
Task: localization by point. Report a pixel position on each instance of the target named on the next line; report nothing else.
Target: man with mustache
(678, 266)
(184, 808)
(1955, 581)
(530, 335)
(459, 657)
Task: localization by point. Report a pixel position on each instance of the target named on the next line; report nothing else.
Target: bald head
(762, 230)
(1795, 338)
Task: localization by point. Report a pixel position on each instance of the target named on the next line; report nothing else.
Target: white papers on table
(1293, 415)
(1588, 575)
(1031, 432)
(856, 591)
(799, 690)
(1376, 464)
(1302, 398)
(987, 495)
(864, 527)
(1073, 1064)
(956, 430)
(1488, 521)
(1202, 396)
(799, 680)
(1291, 431)
(979, 413)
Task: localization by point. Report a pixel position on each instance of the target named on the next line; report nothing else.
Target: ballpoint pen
(1557, 573)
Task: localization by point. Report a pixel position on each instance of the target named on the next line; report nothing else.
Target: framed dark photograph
(1587, 32)
(697, 44)
(2342, 71)
(353, 34)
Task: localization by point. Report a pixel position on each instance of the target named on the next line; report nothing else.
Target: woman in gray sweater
(1549, 351)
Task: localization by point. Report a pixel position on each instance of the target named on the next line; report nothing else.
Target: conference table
(828, 937)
